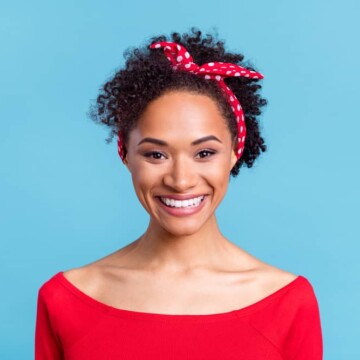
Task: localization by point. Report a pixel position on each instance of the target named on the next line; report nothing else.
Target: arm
(305, 339)
(47, 346)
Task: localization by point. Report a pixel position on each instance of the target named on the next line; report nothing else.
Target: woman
(185, 112)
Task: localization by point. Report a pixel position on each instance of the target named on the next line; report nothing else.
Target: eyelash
(210, 152)
(152, 153)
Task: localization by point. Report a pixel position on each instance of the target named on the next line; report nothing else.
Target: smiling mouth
(189, 203)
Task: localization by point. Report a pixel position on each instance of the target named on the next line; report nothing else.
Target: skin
(183, 257)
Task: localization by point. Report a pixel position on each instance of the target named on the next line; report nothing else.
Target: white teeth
(182, 203)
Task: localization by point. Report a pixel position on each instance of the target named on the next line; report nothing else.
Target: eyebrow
(164, 143)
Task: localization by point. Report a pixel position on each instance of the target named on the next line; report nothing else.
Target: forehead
(182, 113)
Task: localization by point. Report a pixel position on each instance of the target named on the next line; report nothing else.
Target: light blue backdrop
(66, 199)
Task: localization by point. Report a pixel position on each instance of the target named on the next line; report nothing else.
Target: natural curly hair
(148, 74)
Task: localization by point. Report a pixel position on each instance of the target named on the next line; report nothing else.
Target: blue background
(66, 199)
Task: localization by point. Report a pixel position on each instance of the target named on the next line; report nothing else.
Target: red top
(71, 325)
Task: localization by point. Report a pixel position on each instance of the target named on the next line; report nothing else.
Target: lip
(181, 212)
(181, 197)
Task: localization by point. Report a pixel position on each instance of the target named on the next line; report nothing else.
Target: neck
(157, 249)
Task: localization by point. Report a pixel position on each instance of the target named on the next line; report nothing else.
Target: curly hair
(148, 74)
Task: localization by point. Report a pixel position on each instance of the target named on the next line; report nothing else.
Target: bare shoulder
(276, 277)
(270, 279)
(84, 278)
(90, 276)
(262, 278)
(260, 270)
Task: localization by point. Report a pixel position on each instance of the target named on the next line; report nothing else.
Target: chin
(181, 228)
(183, 232)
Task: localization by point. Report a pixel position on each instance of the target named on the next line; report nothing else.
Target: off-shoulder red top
(71, 325)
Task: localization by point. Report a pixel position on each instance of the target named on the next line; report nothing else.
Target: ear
(126, 163)
(126, 160)
(233, 158)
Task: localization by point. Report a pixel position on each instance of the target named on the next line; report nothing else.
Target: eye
(154, 155)
(206, 153)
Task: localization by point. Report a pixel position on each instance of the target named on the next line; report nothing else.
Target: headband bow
(181, 59)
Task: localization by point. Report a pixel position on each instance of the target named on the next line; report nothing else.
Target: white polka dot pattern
(182, 60)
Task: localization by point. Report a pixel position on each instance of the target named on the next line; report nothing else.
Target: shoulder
(50, 286)
(263, 277)
(288, 297)
(90, 277)
(85, 278)
(271, 279)
(58, 285)
(275, 276)
(296, 289)
(258, 280)
(290, 316)
(302, 289)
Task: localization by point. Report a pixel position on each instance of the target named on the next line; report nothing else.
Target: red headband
(181, 59)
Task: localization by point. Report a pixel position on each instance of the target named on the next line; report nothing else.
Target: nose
(181, 175)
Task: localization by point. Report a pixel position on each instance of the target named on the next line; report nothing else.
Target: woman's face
(180, 155)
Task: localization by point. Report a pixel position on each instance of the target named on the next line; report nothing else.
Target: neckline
(133, 314)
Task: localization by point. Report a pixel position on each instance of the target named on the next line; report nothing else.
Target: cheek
(218, 178)
(144, 180)
(222, 181)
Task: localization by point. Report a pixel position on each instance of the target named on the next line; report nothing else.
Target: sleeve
(305, 337)
(47, 345)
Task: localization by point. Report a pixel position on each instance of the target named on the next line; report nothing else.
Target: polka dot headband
(182, 60)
